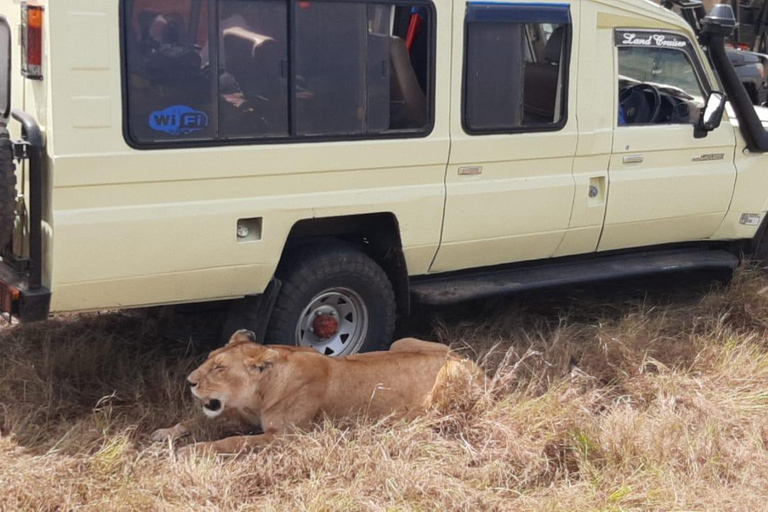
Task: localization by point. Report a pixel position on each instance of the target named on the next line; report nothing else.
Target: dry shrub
(604, 399)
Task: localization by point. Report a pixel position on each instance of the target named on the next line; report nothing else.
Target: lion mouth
(213, 405)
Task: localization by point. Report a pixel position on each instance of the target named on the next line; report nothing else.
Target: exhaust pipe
(715, 27)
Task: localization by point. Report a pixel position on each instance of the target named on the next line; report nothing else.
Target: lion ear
(243, 335)
(263, 361)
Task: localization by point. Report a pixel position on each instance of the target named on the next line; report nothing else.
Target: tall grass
(600, 400)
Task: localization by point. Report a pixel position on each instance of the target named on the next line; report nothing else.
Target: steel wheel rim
(348, 309)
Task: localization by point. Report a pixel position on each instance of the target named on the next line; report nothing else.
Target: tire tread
(313, 263)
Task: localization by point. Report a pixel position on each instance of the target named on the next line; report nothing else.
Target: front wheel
(334, 299)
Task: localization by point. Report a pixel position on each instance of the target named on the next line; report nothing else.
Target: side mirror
(712, 113)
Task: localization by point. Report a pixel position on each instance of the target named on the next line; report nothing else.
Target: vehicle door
(509, 181)
(668, 183)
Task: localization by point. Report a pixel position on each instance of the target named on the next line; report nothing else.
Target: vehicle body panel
(169, 216)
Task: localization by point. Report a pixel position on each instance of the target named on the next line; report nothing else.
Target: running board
(450, 289)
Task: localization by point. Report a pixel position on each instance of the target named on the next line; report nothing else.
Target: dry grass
(605, 400)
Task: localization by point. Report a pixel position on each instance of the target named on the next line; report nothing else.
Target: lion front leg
(244, 443)
(222, 426)
(229, 445)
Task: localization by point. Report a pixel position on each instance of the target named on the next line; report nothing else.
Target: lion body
(278, 388)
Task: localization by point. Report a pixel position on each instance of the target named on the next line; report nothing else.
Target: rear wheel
(334, 299)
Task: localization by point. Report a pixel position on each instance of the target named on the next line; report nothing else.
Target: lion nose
(192, 383)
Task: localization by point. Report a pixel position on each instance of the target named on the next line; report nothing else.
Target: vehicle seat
(408, 102)
(255, 61)
(541, 80)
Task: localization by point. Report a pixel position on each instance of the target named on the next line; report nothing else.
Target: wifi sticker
(178, 120)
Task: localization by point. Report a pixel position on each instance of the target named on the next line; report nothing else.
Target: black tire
(7, 188)
(311, 272)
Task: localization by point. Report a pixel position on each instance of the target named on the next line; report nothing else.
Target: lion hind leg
(414, 345)
(457, 376)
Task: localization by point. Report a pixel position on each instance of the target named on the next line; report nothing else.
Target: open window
(515, 70)
(284, 70)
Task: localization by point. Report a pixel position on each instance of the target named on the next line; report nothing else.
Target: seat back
(408, 101)
(254, 61)
(541, 80)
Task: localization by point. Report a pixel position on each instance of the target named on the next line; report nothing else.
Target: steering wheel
(641, 104)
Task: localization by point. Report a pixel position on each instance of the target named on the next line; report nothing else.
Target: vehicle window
(170, 90)
(657, 84)
(253, 63)
(336, 69)
(515, 68)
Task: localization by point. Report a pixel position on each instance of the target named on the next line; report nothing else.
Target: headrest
(554, 47)
(243, 35)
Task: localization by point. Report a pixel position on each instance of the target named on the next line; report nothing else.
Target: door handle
(470, 171)
(634, 159)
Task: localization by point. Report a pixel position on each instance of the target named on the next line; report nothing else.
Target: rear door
(666, 183)
(509, 182)
(10, 11)
(11, 96)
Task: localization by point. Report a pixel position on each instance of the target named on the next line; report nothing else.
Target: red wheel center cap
(325, 326)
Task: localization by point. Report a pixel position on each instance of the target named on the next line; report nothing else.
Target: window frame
(689, 52)
(524, 10)
(6, 112)
(292, 5)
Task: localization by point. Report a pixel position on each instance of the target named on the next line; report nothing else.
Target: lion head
(230, 377)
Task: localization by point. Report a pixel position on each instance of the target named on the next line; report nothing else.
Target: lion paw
(164, 434)
(161, 434)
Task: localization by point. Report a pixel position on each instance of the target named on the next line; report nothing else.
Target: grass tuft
(604, 399)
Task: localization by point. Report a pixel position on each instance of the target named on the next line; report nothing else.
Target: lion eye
(218, 367)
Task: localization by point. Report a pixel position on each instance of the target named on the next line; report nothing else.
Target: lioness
(282, 387)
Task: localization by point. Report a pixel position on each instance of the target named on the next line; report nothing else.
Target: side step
(458, 287)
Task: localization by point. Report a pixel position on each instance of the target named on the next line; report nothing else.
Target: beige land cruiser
(320, 165)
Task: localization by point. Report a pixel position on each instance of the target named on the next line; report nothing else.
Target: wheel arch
(757, 247)
(375, 234)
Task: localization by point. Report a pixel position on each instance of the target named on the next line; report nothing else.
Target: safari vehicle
(319, 164)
